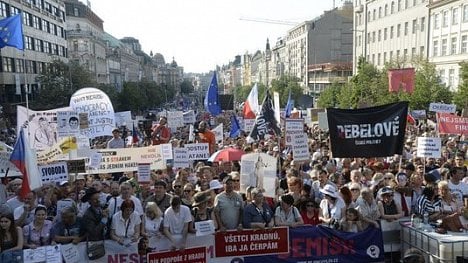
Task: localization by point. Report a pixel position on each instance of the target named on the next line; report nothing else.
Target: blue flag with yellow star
(211, 101)
(11, 32)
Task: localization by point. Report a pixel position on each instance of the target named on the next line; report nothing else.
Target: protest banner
(289, 137)
(189, 255)
(5, 164)
(175, 119)
(294, 125)
(166, 149)
(189, 117)
(53, 173)
(368, 132)
(68, 124)
(418, 114)
(429, 147)
(443, 108)
(124, 159)
(99, 108)
(300, 147)
(123, 118)
(248, 125)
(258, 170)
(95, 160)
(323, 244)
(41, 126)
(252, 242)
(52, 254)
(452, 124)
(197, 151)
(181, 159)
(59, 151)
(144, 172)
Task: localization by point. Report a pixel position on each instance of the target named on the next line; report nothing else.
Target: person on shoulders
(116, 141)
(160, 133)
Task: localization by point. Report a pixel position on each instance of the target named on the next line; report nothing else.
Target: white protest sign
(429, 147)
(248, 125)
(300, 147)
(95, 160)
(123, 118)
(47, 254)
(258, 170)
(144, 172)
(204, 228)
(189, 117)
(166, 149)
(53, 173)
(197, 151)
(441, 107)
(191, 136)
(419, 114)
(218, 132)
(42, 126)
(100, 111)
(294, 125)
(70, 253)
(175, 119)
(181, 159)
(289, 137)
(322, 121)
(68, 124)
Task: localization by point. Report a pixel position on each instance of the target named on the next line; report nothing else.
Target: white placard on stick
(204, 228)
(300, 147)
(181, 159)
(198, 151)
(429, 147)
(441, 107)
(144, 172)
(294, 125)
(53, 173)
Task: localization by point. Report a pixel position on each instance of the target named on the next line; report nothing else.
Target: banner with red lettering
(252, 242)
(323, 244)
(189, 255)
(452, 124)
(401, 79)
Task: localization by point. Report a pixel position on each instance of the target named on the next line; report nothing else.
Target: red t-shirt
(163, 132)
(311, 221)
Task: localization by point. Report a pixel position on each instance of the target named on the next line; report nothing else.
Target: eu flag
(11, 32)
(289, 106)
(235, 127)
(211, 99)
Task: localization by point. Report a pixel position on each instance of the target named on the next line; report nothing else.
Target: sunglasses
(187, 191)
(177, 186)
(235, 180)
(387, 178)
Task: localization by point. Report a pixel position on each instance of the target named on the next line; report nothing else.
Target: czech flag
(251, 107)
(25, 160)
(410, 119)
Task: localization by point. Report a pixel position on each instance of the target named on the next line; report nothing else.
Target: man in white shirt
(125, 194)
(116, 141)
(458, 188)
(176, 220)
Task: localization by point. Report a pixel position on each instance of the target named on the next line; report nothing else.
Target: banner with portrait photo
(68, 124)
(258, 170)
(41, 126)
(368, 132)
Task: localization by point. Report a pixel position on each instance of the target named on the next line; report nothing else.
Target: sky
(201, 34)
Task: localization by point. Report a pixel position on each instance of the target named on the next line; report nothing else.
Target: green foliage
(242, 92)
(186, 87)
(58, 82)
(460, 97)
(329, 97)
(283, 85)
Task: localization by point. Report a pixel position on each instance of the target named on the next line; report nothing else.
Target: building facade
(44, 41)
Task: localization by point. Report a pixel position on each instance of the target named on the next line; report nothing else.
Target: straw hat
(200, 198)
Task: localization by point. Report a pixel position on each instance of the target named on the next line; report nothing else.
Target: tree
(329, 97)
(460, 97)
(186, 87)
(283, 85)
(242, 92)
(58, 82)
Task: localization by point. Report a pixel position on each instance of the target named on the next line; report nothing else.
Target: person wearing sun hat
(389, 209)
(200, 209)
(332, 206)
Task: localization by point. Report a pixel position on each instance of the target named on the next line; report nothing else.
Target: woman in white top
(332, 207)
(125, 227)
(152, 221)
(448, 203)
(286, 214)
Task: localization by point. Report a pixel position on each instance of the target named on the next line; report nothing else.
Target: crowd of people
(348, 194)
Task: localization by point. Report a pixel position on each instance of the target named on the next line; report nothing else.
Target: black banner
(369, 132)
(265, 123)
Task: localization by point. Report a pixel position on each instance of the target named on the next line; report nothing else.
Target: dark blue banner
(321, 244)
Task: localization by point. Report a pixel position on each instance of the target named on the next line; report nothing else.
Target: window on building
(453, 46)
(398, 54)
(414, 26)
(26, 19)
(442, 75)
(406, 4)
(76, 12)
(380, 12)
(464, 44)
(374, 14)
(391, 32)
(38, 45)
(46, 47)
(445, 19)
(398, 30)
(14, 10)
(19, 65)
(455, 16)
(29, 66)
(386, 10)
(443, 50)
(7, 64)
(3, 9)
(421, 50)
(373, 37)
(392, 7)
(360, 40)
(379, 36)
(451, 79)
(465, 13)
(435, 48)
(405, 53)
(368, 16)
(406, 28)
(45, 26)
(414, 2)
(36, 22)
(368, 38)
(390, 56)
(385, 34)
(385, 57)
(29, 43)
(373, 58)
(436, 21)
(413, 52)
(423, 23)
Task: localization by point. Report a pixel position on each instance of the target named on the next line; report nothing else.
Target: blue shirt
(253, 214)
